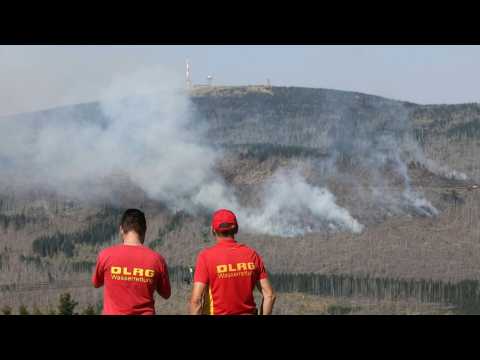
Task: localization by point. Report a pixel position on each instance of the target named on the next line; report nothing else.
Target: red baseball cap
(224, 220)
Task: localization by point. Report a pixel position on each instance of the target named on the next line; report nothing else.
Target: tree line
(66, 306)
(464, 294)
(470, 129)
(19, 221)
(97, 233)
(263, 151)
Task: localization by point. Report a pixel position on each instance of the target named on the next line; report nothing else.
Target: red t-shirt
(231, 270)
(131, 274)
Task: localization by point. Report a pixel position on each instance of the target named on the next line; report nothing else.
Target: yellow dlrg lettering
(251, 266)
(137, 272)
(116, 270)
(221, 269)
(149, 273)
(241, 266)
(126, 272)
(231, 268)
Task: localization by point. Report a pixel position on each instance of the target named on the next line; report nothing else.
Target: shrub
(6, 310)
(36, 310)
(89, 310)
(335, 309)
(22, 310)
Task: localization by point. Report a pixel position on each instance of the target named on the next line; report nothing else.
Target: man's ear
(120, 234)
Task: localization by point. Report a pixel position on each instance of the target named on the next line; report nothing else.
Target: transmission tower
(188, 79)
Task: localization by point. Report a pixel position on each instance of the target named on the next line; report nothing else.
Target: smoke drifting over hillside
(293, 207)
(147, 137)
(383, 146)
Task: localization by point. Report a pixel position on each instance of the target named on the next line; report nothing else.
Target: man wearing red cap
(227, 273)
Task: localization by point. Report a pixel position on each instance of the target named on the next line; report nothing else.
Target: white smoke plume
(151, 134)
(293, 207)
(147, 137)
(379, 145)
(413, 198)
(143, 137)
(416, 154)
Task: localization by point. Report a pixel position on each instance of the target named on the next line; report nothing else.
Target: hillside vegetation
(47, 238)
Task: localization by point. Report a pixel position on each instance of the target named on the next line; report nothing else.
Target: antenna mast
(187, 76)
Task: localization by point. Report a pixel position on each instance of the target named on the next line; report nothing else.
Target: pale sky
(40, 77)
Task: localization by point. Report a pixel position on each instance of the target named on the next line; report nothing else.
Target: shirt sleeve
(99, 273)
(201, 270)
(262, 272)
(163, 282)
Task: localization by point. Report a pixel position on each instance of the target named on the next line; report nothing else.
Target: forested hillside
(338, 139)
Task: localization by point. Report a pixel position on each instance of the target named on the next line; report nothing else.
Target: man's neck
(220, 239)
(131, 239)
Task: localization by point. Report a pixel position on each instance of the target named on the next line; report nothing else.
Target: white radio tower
(187, 76)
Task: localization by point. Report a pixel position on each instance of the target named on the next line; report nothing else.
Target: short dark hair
(134, 220)
(226, 233)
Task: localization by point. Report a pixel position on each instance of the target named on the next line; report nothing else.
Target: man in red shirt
(130, 271)
(227, 273)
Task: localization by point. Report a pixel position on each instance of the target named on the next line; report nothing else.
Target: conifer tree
(66, 305)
